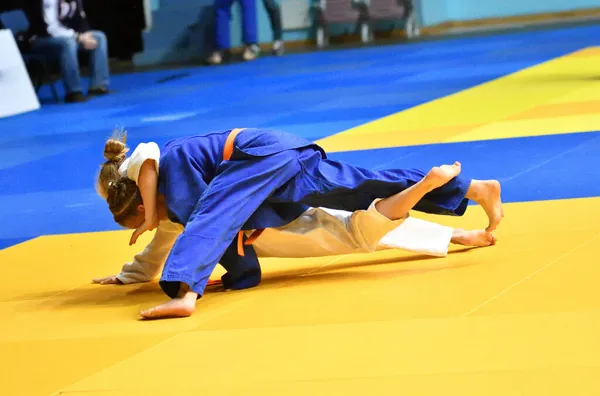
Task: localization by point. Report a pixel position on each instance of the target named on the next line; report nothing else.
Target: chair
(393, 10)
(40, 68)
(365, 13)
(339, 12)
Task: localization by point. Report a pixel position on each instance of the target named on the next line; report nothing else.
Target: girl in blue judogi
(221, 184)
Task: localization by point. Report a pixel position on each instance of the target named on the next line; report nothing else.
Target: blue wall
(181, 28)
(181, 31)
(432, 12)
(480, 9)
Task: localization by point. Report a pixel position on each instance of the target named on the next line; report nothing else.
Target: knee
(100, 37)
(63, 44)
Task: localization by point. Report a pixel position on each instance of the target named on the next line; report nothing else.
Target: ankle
(190, 296)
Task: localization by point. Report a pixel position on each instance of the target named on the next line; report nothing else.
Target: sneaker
(98, 91)
(251, 52)
(215, 58)
(278, 47)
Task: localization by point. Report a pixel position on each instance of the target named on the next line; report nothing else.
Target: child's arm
(147, 183)
(147, 264)
(142, 167)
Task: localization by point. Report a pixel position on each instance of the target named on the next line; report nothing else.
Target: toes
(147, 313)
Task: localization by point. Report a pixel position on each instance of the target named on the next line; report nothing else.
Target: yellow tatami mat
(519, 318)
(554, 97)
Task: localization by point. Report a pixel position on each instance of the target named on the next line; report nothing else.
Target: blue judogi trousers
(222, 17)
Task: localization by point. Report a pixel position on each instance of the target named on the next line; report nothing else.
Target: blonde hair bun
(115, 149)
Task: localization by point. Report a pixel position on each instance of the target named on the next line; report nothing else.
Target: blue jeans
(222, 17)
(65, 49)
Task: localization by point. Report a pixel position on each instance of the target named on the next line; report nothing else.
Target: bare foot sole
(479, 238)
(175, 308)
(440, 175)
(490, 201)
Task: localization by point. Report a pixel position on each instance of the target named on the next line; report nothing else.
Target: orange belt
(227, 152)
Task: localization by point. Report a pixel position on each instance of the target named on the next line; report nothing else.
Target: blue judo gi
(222, 17)
(271, 178)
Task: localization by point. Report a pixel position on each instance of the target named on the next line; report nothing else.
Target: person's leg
(274, 13)
(222, 17)
(371, 226)
(239, 189)
(249, 29)
(337, 185)
(222, 36)
(474, 238)
(398, 205)
(65, 50)
(99, 65)
(428, 238)
(243, 272)
(385, 215)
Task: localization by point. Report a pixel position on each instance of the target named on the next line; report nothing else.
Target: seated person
(60, 29)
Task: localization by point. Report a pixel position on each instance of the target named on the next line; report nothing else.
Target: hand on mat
(108, 280)
(146, 226)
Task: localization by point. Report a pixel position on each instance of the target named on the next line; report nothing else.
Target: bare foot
(473, 238)
(487, 194)
(175, 308)
(440, 175)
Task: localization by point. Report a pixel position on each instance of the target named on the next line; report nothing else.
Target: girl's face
(134, 222)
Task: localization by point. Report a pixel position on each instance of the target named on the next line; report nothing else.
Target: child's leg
(397, 206)
(369, 227)
(477, 238)
(337, 185)
(182, 306)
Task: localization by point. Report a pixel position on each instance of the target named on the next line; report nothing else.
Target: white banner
(17, 94)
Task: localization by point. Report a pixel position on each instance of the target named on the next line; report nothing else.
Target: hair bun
(115, 150)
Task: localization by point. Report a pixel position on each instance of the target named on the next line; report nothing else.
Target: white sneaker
(278, 47)
(250, 53)
(215, 58)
